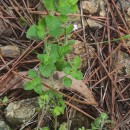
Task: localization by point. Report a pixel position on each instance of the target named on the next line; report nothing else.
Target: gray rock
(19, 112)
(89, 7)
(102, 8)
(93, 23)
(10, 51)
(3, 125)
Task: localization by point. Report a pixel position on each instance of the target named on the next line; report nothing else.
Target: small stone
(128, 11)
(102, 8)
(89, 7)
(19, 112)
(3, 125)
(93, 23)
(10, 51)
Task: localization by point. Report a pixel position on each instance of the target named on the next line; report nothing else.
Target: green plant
(100, 122)
(55, 56)
(53, 103)
(81, 128)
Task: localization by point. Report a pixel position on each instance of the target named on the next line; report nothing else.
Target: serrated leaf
(54, 25)
(67, 82)
(67, 70)
(43, 58)
(58, 110)
(5, 99)
(59, 64)
(72, 1)
(52, 22)
(38, 89)
(77, 75)
(71, 42)
(69, 29)
(36, 81)
(49, 4)
(56, 32)
(41, 28)
(74, 8)
(47, 70)
(28, 86)
(63, 18)
(41, 33)
(63, 50)
(53, 56)
(63, 126)
(42, 22)
(77, 62)
(32, 32)
(64, 7)
(32, 73)
(104, 115)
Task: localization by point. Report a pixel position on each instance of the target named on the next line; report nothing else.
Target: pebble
(10, 51)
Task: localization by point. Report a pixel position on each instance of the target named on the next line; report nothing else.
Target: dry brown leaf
(78, 86)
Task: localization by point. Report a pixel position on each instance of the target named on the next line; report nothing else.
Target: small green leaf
(53, 56)
(32, 32)
(36, 81)
(54, 25)
(69, 29)
(104, 115)
(45, 97)
(77, 61)
(58, 110)
(32, 73)
(5, 99)
(67, 70)
(67, 82)
(47, 70)
(38, 89)
(63, 126)
(63, 50)
(43, 57)
(41, 28)
(71, 42)
(63, 18)
(77, 75)
(74, 8)
(64, 7)
(72, 1)
(28, 86)
(42, 22)
(56, 32)
(41, 33)
(49, 4)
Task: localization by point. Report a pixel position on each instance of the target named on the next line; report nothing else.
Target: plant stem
(55, 122)
(45, 45)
